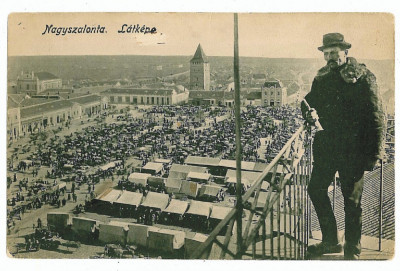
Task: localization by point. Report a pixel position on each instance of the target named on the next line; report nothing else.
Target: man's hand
(312, 116)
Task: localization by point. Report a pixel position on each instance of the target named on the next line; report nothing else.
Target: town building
(145, 96)
(273, 93)
(31, 115)
(199, 71)
(35, 83)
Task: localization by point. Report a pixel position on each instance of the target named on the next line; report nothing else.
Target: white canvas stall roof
(138, 234)
(219, 212)
(251, 176)
(262, 199)
(199, 237)
(165, 239)
(190, 188)
(177, 207)
(192, 243)
(162, 161)
(199, 176)
(108, 166)
(211, 190)
(156, 200)
(110, 195)
(157, 167)
(139, 178)
(130, 198)
(233, 180)
(204, 161)
(232, 164)
(173, 183)
(199, 208)
(187, 168)
(260, 166)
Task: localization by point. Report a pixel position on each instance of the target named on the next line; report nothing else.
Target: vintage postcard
(264, 136)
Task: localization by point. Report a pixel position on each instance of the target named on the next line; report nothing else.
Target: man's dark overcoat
(351, 115)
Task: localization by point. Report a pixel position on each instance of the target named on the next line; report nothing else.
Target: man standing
(344, 98)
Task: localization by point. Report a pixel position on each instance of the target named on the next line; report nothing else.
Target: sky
(292, 35)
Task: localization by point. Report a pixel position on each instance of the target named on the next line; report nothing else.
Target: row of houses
(31, 115)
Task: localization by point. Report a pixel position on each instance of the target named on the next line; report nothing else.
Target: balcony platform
(369, 245)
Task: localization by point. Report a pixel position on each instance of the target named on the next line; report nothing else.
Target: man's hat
(332, 40)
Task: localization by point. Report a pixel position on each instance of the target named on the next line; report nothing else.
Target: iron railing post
(380, 206)
(239, 203)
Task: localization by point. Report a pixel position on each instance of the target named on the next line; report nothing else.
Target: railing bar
(264, 236)
(223, 248)
(246, 196)
(278, 221)
(284, 223)
(228, 236)
(380, 205)
(290, 221)
(253, 248)
(253, 207)
(302, 209)
(245, 237)
(271, 240)
(295, 213)
(269, 202)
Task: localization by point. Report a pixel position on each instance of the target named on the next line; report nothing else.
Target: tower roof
(199, 54)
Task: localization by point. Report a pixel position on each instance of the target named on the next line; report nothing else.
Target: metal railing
(279, 213)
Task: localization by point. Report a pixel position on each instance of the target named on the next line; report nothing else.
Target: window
(112, 99)
(148, 100)
(127, 99)
(167, 100)
(27, 87)
(141, 100)
(152, 100)
(120, 99)
(272, 93)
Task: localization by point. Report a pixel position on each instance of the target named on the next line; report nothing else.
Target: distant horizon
(264, 57)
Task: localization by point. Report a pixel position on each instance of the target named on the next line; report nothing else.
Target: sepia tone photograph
(254, 136)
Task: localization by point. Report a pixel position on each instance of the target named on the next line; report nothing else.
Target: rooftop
(199, 55)
(139, 91)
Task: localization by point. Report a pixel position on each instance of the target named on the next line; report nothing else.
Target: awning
(173, 185)
(209, 190)
(156, 167)
(163, 161)
(177, 207)
(139, 178)
(109, 195)
(199, 176)
(232, 164)
(220, 212)
(156, 200)
(130, 198)
(190, 188)
(200, 208)
(233, 180)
